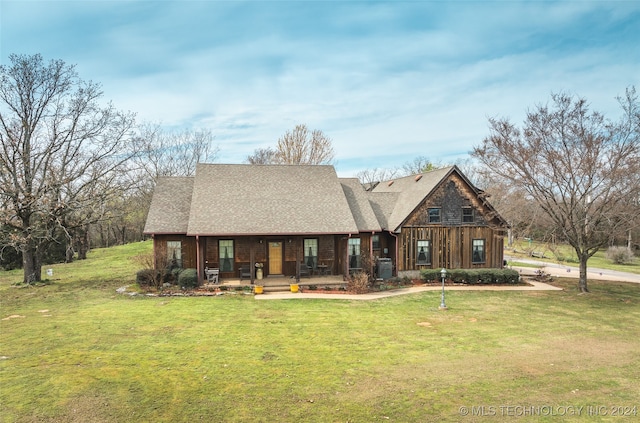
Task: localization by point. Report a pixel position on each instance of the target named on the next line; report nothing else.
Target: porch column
(252, 259)
(297, 262)
(397, 252)
(372, 264)
(346, 256)
(155, 252)
(199, 268)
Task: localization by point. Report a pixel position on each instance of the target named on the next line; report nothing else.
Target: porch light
(443, 274)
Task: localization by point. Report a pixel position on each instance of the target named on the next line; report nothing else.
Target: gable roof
(268, 199)
(229, 200)
(170, 206)
(410, 192)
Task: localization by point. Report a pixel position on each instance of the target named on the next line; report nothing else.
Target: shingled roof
(409, 192)
(169, 211)
(268, 199)
(229, 200)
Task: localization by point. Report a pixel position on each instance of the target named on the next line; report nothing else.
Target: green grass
(568, 256)
(95, 355)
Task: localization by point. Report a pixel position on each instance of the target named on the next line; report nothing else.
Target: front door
(275, 258)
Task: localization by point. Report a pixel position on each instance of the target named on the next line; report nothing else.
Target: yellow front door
(275, 258)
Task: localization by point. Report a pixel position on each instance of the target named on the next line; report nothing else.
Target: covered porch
(281, 283)
(274, 259)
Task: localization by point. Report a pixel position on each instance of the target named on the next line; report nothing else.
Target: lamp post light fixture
(443, 273)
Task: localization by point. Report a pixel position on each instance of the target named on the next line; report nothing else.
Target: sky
(387, 81)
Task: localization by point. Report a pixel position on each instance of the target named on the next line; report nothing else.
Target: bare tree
(164, 153)
(525, 217)
(419, 164)
(60, 152)
(371, 177)
(299, 146)
(580, 168)
(159, 153)
(262, 156)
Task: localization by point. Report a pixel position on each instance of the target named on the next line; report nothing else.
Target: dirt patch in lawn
(467, 373)
(82, 409)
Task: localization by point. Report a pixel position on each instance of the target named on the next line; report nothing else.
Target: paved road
(563, 270)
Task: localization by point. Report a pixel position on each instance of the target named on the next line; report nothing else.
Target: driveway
(562, 270)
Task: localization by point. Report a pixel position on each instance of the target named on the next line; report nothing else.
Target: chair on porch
(245, 272)
(213, 275)
(305, 270)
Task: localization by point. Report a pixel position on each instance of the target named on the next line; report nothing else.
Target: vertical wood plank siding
(451, 238)
(451, 247)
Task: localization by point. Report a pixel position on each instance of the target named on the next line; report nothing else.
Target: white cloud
(388, 81)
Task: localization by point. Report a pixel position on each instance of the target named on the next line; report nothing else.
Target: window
(424, 252)
(478, 252)
(434, 215)
(354, 253)
(467, 215)
(174, 254)
(375, 242)
(311, 252)
(226, 255)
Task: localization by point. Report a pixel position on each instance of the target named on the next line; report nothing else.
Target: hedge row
(474, 276)
(187, 278)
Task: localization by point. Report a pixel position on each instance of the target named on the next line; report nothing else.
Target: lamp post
(443, 273)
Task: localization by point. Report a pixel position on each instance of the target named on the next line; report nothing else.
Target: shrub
(474, 276)
(188, 278)
(620, 255)
(173, 275)
(430, 275)
(149, 278)
(358, 283)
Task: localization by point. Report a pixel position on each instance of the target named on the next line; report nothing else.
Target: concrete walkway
(553, 269)
(535, 286)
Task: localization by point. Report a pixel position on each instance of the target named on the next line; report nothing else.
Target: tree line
(76, 173)
(73, 171)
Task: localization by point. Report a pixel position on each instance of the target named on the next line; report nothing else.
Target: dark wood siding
(188, 249)
(451, 238)
(292, 252)
(451, 247)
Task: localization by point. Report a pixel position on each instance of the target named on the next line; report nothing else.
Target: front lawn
(76, 351)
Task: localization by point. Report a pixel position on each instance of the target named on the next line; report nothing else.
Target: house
(285, 218)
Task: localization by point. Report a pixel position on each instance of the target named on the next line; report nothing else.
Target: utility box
(385, 268)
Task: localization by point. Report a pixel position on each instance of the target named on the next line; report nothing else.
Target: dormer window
(434, 215)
